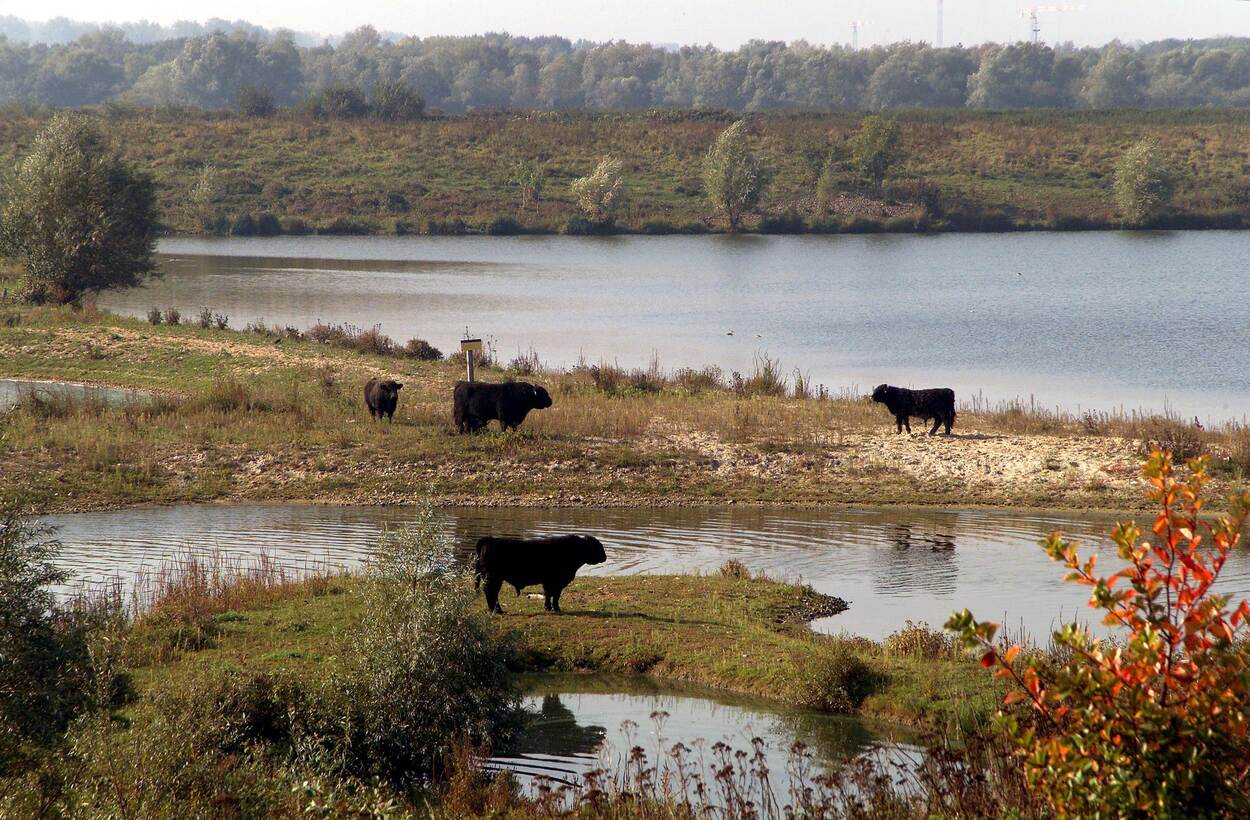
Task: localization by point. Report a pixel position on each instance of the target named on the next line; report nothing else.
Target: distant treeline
(499, 71)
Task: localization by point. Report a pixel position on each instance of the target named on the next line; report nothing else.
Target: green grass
(1026, 170)
(746, 635)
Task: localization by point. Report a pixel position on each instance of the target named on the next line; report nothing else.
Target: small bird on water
(730, 333)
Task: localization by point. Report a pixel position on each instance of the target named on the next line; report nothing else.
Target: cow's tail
(478, 569)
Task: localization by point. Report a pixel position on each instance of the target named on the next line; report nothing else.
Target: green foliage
(837, 680)
(827, 184)
(256, 102)
(1021, 75)
(422, 351)
(209, 65)
(425, 670)
(395, 101)
(733, 177)
(529, 176)
(79, 217)
(1118, 80)
(340, 102)
(45, 665)
(599, 195)
(1144, 182)
(1157, 721)
(876, 148)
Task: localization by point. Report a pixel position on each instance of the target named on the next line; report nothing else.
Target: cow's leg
(949, 422)
(491, 589)
(907, 423)
(373, 414)
(552, 595)
(937, 422)
(547, 598)
(898, 423)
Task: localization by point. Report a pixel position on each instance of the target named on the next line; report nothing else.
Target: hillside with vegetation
(508, 173)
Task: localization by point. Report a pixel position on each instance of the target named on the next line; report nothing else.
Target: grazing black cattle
(476, 403)
(382, 397)
(526, 562)
(937, 404)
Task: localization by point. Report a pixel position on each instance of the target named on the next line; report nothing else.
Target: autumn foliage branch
(1154, 718)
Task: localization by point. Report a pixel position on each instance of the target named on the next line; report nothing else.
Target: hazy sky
(725, 23)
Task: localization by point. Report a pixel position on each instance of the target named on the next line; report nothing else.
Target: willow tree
(77, 216)
(1144, 182)
(599, 195)
(733, 177)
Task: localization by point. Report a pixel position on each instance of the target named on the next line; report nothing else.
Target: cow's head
(540, 399)
(881, 393)
(593, 552)
(392, 386)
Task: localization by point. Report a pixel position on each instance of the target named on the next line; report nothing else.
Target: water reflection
(13, 391)
(921, 561)
(554, 730)
(581, 723)
(892, 565)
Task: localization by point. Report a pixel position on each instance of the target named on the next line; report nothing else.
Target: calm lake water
(1078, 320)
(891, 565)
(14, 390)
(581, 723)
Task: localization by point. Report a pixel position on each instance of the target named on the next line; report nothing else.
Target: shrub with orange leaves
(1154, 720)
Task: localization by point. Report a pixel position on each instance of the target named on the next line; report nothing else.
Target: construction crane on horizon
(1033, 14)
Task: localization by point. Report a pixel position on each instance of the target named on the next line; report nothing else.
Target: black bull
(551, 563)
(475, 404)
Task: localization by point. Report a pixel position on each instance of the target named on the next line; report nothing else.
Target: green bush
(876, 148)
(789, 222)
(424, 670)
(339, 102)
(446, 227)
(395, 101)
(422, 351)
(268, 225)
(1144, 182)
(46, 675)
(600, 193)
(295, 226)
(243, 225)
(504, 226)
(837, 681)
(256, 102)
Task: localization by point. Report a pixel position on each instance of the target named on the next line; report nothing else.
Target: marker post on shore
(469, 347)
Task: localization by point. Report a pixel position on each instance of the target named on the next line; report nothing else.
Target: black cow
(937, 404)
(476, 403)
(382, 397)
(526, 562)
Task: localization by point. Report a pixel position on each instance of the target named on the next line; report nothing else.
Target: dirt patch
(849, 206)
(984, 466)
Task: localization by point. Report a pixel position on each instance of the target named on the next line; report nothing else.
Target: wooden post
(470, 347)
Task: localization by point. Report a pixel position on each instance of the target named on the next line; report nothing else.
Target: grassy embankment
(995, 171)
(739, 634)
(245, 416)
